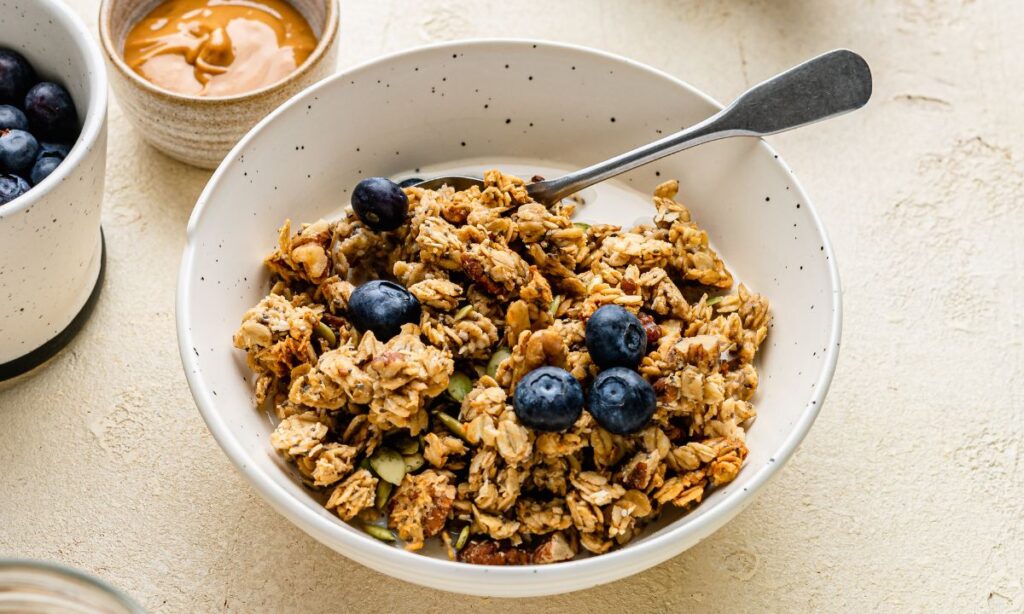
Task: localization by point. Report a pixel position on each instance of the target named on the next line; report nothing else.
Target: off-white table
(908, 494)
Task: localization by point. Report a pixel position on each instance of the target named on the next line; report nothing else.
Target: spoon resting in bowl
(831, 84)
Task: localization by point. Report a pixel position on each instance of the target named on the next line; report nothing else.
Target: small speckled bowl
(51, 246)
(201, 130)
(526, 107)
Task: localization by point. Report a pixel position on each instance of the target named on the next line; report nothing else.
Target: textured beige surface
(908, 494)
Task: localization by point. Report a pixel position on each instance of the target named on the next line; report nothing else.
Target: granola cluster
(417, 433)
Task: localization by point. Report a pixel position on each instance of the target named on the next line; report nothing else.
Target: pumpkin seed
(497, 358)
(365, 464)
(463, 538)
(389, 465)
(407, 446)
(413, 462)
(324, 332)
(714, 301)
(451, 424)
(459, 386)
(555, 302)
(383, 494)
(384, 535)
(463, 312)
(582, 225)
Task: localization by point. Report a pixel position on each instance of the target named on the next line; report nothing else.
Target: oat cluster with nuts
(416, 435)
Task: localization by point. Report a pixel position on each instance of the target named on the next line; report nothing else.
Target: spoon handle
(830, 84)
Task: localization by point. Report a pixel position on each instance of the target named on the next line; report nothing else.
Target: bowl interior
(520, 106)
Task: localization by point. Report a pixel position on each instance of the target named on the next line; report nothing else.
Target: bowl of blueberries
(53, 109)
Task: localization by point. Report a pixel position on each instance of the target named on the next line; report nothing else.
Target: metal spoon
(831, 84)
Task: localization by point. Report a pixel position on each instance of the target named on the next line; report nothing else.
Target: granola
(506, 286)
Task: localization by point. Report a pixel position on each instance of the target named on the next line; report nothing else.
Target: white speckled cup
(201, 130)
(51, 246)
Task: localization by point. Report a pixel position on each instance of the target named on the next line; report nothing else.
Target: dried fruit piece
(493, 553)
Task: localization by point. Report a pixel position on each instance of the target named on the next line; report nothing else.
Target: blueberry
(54, 150)
(621, 401)
(18, 150)
(615, 338)
(382, 307)
(16, 76)
(11, 118)
(11, 187)
(51, 112)
(548, 399)
(380, 203)
(43, 167)
(49, 158)
(411, 181)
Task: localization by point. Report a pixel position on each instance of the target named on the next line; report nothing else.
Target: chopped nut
(493, 553)
(553, 549)
(419, 507)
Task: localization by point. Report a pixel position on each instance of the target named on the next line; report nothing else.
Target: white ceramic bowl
(523, 106)
(50, 240)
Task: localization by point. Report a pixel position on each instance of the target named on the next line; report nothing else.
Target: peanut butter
(218, 47)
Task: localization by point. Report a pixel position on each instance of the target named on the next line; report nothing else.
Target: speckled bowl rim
(326, 39)
(600, 569)
(95, 111)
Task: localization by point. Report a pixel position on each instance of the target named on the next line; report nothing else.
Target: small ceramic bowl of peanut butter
(193, 76)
